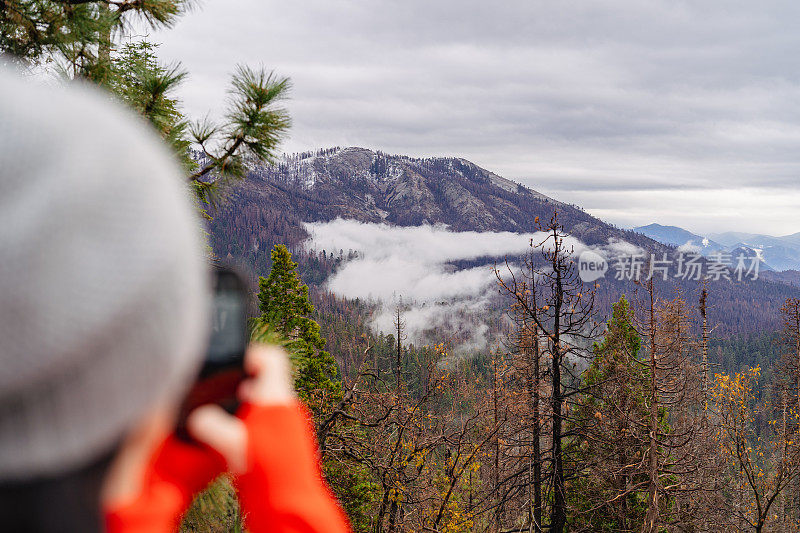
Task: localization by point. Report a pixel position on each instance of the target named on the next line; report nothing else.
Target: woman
(103, 291)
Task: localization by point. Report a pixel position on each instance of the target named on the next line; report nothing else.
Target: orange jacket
(282, 491)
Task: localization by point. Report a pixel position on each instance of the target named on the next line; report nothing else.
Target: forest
(641, 422)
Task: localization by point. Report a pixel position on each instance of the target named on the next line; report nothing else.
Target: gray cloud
(641, 99)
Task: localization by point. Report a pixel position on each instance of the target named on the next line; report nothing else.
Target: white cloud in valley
(412, 264)
(412, 267)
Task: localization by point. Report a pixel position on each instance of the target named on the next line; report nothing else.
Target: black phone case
(219, 380)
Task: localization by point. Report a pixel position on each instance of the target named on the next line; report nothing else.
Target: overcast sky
(683, 113)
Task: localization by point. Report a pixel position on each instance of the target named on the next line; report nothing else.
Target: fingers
(270, 384)
(211, 425)
(271, 381)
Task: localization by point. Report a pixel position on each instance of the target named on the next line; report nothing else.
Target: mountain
(794, 238)
(790, 277)
(780, 253)
(731, 238)
(776, 253)
(370, 186)
(675, 236)
(272, 204)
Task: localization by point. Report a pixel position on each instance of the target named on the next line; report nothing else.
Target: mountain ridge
(675, 236)
(273, 204)
(371, 186)
(776, 253)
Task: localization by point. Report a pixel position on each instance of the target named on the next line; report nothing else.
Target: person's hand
(270, 384)
(271, 448)
(151, 485)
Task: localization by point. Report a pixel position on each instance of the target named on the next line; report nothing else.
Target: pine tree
(286, 311)
(77, 36)
(286, 308)
(611, 489)
(140, 81)
(91, 40)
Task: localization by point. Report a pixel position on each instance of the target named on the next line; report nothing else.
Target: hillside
(370, 186)
(270, 206)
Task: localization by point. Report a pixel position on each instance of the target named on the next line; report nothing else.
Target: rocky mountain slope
(370, 186)
(271, 205)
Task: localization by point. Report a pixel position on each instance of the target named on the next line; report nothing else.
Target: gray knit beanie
(103, 284)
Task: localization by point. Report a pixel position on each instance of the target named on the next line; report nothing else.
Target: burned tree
(400, 328)
(523, 480)
(679, 438)
(790, 366)
(562, 311)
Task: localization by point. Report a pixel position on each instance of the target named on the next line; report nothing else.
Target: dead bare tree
(680, 460)
(703, 307)
(400, 327)
(523, 467)
(563, 312)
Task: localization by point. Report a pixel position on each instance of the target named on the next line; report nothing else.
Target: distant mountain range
(675, 236)
(776, 253)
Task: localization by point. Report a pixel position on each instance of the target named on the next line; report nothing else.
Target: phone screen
(229, 335)
(228, 321)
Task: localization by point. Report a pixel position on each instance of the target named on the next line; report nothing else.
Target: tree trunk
(797, 388)
(393, 516)
(650, 524)
(399, 353)
(703, 309)
(784, 508)
(558, 514)
(382, 509)
(104, 50)
(537, 453)
(496, 473)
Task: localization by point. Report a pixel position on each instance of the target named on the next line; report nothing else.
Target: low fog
(409, 267)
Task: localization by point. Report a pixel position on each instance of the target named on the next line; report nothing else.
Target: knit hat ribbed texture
(103, 281)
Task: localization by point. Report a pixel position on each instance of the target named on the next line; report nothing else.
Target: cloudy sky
(684, 113)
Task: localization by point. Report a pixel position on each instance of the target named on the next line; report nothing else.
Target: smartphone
(223, 368)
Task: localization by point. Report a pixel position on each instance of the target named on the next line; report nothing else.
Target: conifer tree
(77, 35)
(286, 311)
(285, 307)
(90, 39)
(146, 86)
(612, 436)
